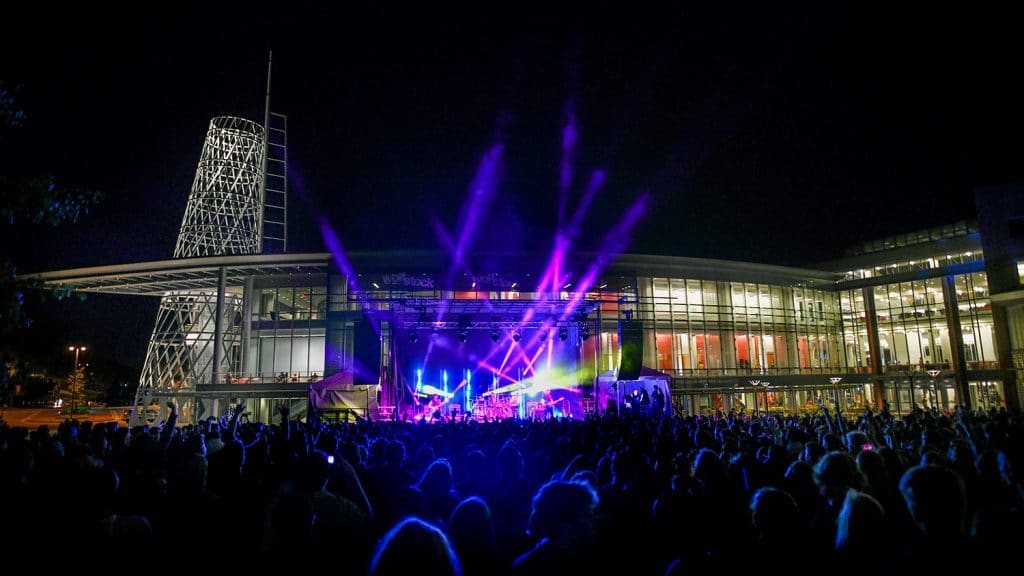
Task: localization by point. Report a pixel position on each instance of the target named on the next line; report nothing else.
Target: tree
(72, 389)
(32, 199)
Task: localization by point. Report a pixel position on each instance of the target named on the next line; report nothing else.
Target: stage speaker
(365, 353)
(631, 343)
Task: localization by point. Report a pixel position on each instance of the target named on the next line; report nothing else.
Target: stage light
(584, 333)
(463, 335)
(516, 336)
(413, 337)
(563, 334)
(495, 335)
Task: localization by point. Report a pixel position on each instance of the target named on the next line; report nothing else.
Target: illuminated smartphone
(330, 459)
(867, 446)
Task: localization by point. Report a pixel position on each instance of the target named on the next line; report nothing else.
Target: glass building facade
(780, 342)
(289, 325)
(906, 322)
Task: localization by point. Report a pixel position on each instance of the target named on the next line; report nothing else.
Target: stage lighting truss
(537, 321)
(495, 329)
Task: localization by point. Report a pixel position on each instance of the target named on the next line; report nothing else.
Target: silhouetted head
(861, 521)
(855, 441)
(936, 500)
(812, 453)
(774, 513)
(709, 470)
(436, 479)
(394, 453)
(872, 466)
(312, 472)
(471, 526)
(835, 474)
(413, 542)
(510, 461)
(564, 512)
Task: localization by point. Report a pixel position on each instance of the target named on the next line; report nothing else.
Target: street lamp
(835, 380)
(913, 401)
(935, 390)
(765, 385)
(74, 388)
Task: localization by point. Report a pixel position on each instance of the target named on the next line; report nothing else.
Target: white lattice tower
(180, 354)
(224, 215)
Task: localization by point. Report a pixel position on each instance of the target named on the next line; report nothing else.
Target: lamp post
(935, 390)
(835, 380)
(74, 391)
(765, 385)
(913, 401)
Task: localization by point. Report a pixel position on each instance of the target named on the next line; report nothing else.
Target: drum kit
(498, 406)
(489, 406)
(503, 406)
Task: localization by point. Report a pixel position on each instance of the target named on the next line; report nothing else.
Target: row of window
(709, 325)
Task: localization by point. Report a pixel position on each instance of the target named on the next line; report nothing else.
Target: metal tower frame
(275, 193)
(239, 200)
(225, 213)
(274, 189)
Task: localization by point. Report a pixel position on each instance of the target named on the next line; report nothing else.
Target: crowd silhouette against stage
(654, 494)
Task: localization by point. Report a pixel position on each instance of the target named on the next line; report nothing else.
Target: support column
(335, 341)
(956, 340)
(1008, 325)
(247, 296)
(727, 331)
(792, 342)
(875, 347)
(218, 326)
(597, 366)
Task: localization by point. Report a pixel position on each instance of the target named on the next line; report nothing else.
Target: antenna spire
(266, 110)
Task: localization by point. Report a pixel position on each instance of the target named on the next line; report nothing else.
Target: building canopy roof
(159, 277)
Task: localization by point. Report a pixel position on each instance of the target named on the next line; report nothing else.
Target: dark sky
(767, 133)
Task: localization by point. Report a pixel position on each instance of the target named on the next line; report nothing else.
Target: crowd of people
(656, 494)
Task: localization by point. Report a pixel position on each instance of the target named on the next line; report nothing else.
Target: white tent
(336, 392)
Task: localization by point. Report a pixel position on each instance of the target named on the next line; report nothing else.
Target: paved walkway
(34, 417)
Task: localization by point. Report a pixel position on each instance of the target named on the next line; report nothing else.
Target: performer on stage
(434, 407)
(548, 403)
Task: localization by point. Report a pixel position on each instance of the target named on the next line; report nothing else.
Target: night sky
(761, 132)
